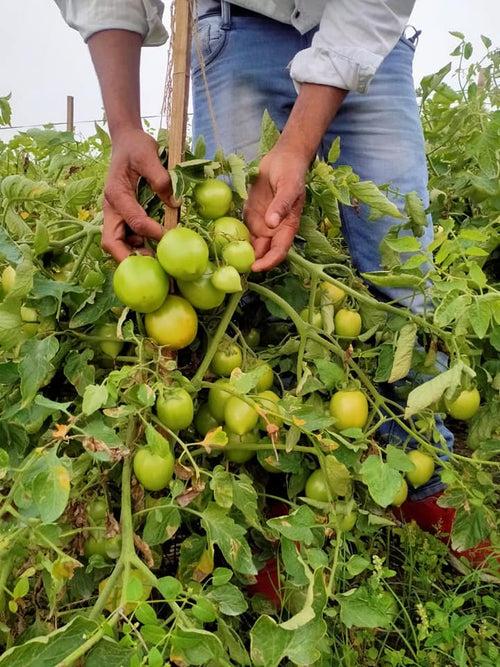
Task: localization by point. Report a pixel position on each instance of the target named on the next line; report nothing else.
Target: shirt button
(296, 14)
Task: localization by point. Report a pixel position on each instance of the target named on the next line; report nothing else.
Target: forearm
(116, 55)
(315, 108)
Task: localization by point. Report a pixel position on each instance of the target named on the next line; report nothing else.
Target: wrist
(121, 127)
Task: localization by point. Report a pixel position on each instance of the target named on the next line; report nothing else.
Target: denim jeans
(245, 62)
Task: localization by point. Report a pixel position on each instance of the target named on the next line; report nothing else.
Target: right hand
(126, 225)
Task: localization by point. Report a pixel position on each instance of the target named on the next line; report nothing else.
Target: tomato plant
(240, 255)
(226, 358)
(183, 253)
(140, 526)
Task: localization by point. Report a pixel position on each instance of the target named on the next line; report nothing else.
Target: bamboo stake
(181, 55)
(70, 113)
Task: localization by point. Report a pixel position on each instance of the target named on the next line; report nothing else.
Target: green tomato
(217, 399)
(333, 295)
(346, 522)
(317, 320)
(8, 279)
(240, 455)
(107, 547)
(29, 314)
(227, 279)
(174, 324)
(465, 406)
(266, 379)
(213, 198)
(113, 347)
(204, 421)
(252, 338)
(349, 408)
(183, 254)
(227, 357)
(240, 418)
(317, 487)
(202, 293)
(140, 283)
(423, 468)
(153, 471)
(227, 229)
(401, 495)
(268, 401)
(239, 254)
(175, 409)
(347, 323)
(93, 279)
(98, 509)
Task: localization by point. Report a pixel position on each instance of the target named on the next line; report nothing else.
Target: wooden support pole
(181, 56)
(70, 113)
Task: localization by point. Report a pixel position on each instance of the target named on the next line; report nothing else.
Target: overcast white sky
(42, 60)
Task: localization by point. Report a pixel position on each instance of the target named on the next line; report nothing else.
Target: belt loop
(414, 37)
(225, 13)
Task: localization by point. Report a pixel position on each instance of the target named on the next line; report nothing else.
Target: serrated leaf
(161, 525)
(382, 480)
(238, 179)
(229, 599)
(414, 209)
(229, 537)
(479, 314)
(364, 608)
(97, 305)
(368, 193)
(404, 352)
(432, 390)
(36, 367)
(41, 240)
(78, 193)
(334, 152)
(94, 397)
(330, 373)
(269, 134)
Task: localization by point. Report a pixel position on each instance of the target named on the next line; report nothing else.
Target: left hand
(274, 205)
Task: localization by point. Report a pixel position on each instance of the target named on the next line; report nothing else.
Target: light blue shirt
(354, 36)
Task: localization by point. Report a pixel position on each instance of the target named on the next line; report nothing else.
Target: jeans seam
(213, 55)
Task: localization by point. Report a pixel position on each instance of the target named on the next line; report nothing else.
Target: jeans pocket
(209, 38)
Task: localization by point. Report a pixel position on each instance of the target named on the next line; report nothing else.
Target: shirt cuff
(348, 68)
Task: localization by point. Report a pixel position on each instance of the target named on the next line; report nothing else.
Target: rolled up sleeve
(91, 16)
(354, 37)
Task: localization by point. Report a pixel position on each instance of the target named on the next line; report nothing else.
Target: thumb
(282, 204)
(159, 180)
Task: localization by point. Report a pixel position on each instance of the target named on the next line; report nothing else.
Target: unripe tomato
(107, 547)
(349, 408)
(347, 323)
(98, 510)
(111, 348)
(140, 283)
(268, 400)
(226, 358)
(240, 417)
(240, 455)
(252, 338)
(204, 421)
(213, 198)
(202, 292)
(334, 295)
(175, 409)
(29, 314)
(227, 279)
(174, 324)
(317, 487)
(346, 522)
(153, 471)
(317, 320)
(239, 254)
(266, 379)
(423, 470)
(217, 399)
(183, 254)
(229, 229)
(401, 495)
(113, 600)
(465, 406)
(8, 278)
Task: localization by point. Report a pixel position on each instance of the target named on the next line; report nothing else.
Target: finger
(135, 241)
(159, 180)
(278, 250)
(287, 194)
(125, 204)
(255, 222)
(261, 245)
(112, 240)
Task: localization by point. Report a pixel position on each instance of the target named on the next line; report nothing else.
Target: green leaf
(479, 317)
(96, 306)
(78, 371)
(268, 642)
(9, 249)
(238, 178)
(404, 352)
(233, 643)
(317, 246)
(196, 647)
(19, 188)
(41, 240)
(156, 442)
(222, 486)
(51, 649)
(330, 373)
(397, 459)
(403, 244)
(78, 193)
(334, 152)
(170, 588)
(98, 429)
(161, 525)
(51, 488)
(338, 475)
(245, 499)
(269, 134)
(382, 480)
(368, 193)
(36, 368)
(298, 525)
(108, 652)
(5, 110)
(10, 325)
(414, 209)
(432, 390)
(229, 537)
(356, 564)
(221, 576)
(392, 279)
(21, 588)
(94, 397)
(365, 608)
(486, 41)
(229, 599)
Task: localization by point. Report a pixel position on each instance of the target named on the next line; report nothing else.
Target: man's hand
(274, 205)
(126, 224)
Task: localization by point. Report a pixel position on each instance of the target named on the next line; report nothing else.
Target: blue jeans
(245, 62)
